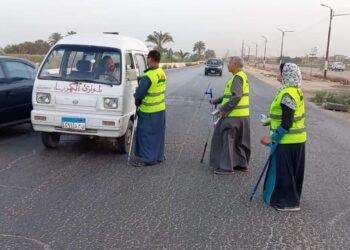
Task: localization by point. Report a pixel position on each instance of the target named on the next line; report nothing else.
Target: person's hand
(221, 113)
(213, 102)
(266, 140)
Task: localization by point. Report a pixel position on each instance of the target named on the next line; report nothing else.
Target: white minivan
(85, 86)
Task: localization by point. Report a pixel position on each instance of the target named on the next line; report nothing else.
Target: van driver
(109, 72)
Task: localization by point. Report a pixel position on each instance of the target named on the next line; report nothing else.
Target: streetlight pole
(283, 32)
(242, 53)
(265, 50)
(248, 53)
(256, 52)
(329, 37)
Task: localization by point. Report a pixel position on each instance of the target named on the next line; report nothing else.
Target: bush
(324, 96)
(32, 58)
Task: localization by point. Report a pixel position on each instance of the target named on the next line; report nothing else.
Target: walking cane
(210, 93)
(273, 148)
(132, 136)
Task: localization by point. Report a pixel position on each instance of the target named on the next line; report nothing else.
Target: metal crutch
(132, 137)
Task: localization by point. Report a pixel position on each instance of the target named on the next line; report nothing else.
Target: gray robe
(230, 145)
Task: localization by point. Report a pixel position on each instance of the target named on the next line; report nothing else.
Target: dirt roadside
(309, 86)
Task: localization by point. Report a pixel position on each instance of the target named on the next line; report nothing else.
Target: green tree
(170, 54)
(199, 47)
(39, 47)
(54, 38)
(159, 39)
(182, 55)
(209, 54)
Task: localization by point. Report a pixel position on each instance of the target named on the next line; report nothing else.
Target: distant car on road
(338, 66)
(16, 84)
(214, 66)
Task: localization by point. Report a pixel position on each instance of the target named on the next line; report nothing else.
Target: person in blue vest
(284, 179)
(150, 103)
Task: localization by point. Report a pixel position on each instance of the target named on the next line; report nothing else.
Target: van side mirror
(37, 67)
(131, 74)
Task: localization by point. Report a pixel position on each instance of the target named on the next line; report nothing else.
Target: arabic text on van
(78, 87)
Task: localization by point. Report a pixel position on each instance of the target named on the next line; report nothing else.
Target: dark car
(16, 84)
(214, 66)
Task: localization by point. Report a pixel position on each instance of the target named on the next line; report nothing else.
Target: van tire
(123, 143)
(50, 140)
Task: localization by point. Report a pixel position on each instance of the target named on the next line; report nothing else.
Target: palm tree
(209, 54)
(199, 47)
(54, 38)
(72, 32)
(169, 54)
(182, 54)
(159, 39)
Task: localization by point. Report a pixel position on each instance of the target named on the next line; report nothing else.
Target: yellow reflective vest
(297, 133)
(154, 101)
(242, 107)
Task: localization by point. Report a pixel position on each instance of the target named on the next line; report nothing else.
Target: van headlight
(110, 103)
(43, 98)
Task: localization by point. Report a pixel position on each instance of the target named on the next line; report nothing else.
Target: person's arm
(141, 90)
(217, 100)
(237, 93)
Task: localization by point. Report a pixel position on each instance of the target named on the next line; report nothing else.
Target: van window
(129, 62)
(83, 63)
(140, 63)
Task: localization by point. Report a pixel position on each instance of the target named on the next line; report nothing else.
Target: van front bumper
(95, 125)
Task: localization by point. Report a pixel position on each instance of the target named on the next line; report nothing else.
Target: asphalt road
(84, 196)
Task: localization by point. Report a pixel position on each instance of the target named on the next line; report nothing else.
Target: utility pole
(248, 52)
(265, 50)
(283, 32)
(242, 53)
(256, 52)
(329, 37)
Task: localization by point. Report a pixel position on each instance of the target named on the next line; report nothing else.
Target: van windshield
(83, 63)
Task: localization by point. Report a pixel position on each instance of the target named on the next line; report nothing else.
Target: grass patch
(325, 96)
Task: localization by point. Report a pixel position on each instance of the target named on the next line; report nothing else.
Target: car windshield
(83, 63)
(214, 62)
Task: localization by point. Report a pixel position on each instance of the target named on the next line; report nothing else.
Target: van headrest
(83, 65)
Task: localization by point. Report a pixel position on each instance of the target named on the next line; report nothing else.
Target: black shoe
(138, 163)
(162, 159)
(222, 171)
(241, 168)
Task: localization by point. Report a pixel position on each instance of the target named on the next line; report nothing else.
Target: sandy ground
(309, 86)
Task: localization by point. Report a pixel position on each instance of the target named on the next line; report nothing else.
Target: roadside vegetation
(322, 97)
(35, 51)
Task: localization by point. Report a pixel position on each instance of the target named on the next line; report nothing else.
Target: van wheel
(50, 140)
(123, 143)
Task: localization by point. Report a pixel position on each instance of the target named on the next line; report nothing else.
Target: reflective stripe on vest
(154, 101)
(297, 133)
(242, 107)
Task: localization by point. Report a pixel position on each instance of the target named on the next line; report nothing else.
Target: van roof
(104, 40)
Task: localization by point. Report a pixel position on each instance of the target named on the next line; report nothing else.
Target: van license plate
(73, 123)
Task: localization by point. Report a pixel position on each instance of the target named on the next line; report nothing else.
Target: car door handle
(10, 93)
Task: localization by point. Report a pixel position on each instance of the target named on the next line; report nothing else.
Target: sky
(222, 24)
